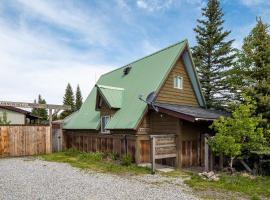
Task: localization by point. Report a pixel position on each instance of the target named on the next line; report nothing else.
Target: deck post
(137, 151)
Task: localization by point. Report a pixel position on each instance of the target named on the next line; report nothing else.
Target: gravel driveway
(29, 178)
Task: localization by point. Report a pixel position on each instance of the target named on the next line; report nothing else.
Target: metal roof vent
(126, 70)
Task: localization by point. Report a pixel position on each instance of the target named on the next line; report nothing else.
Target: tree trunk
(231, 165)
(221, 161)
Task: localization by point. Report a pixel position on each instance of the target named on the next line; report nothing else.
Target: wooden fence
(23, 140)
(117, 144)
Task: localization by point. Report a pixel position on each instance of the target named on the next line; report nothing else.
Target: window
(104, 122)
(178, 82)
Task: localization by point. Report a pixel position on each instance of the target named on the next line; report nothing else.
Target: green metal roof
(87, 117)
(146, 75)
(112, 95)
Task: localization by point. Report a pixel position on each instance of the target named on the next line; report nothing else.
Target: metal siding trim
(192, 77)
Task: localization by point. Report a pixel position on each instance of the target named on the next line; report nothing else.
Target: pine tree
(40, 112)
(254, 65)
(34, 110)
(79, 100)
(213, 55)
(68, 100)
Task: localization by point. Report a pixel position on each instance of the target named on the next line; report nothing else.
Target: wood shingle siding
(105, 110)
(171, 95)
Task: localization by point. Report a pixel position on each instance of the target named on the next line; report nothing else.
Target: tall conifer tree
(40, 112)
(68, 100)
(213, 55)
(79, 99)
(254, 67)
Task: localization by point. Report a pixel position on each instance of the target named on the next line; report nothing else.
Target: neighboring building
(18, 116)
(174, 104)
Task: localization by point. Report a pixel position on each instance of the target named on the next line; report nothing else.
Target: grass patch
(254, 188)
(95, 161)
(176, 173)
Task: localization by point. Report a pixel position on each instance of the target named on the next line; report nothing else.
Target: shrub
(92, 156)
(126, 160)
(113, 156)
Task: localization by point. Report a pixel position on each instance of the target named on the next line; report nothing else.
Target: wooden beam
(206, 153)
(177, 114)
(34, 105)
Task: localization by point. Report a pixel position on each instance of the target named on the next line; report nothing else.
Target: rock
(209, 176)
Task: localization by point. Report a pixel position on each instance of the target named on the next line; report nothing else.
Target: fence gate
(23, 140)
(56, 140)
(162, 146)
(57, 136)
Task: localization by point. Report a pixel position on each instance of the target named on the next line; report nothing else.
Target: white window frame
(102, 129)
(178, 82)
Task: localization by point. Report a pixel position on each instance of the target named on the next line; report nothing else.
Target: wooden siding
(171, 95)
(24, 140)
(158, 123)
(105, 110)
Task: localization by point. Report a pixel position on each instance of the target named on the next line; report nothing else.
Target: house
(159, 94)
(17, 116)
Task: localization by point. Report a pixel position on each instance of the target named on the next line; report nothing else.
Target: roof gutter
(204, 119)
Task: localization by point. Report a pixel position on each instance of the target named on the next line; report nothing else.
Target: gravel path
(24, 178)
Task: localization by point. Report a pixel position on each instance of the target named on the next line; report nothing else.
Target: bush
(113, 156)
(126, 160)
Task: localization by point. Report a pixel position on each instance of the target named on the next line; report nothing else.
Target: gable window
(104, 122)
(178, 82)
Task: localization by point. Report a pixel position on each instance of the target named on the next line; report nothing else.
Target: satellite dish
(150, 98)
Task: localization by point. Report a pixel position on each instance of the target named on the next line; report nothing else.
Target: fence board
(103, 143)
(24, 140)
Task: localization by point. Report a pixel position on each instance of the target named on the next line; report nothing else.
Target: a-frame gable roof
(112, 95)
(144, 76)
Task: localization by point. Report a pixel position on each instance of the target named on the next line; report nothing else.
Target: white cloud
(157, 5)
(254, 2)
(148, 48)
(261, 8)
(154, 5)
(91, 26)
(32, 62)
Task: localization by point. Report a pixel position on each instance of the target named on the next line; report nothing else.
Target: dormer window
(104, 122)
(178, 82)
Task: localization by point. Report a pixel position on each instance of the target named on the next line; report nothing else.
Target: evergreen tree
(68, 100)
(79, 100)
(254, 68)
(34, 110)
(213, 55)
(40, 112)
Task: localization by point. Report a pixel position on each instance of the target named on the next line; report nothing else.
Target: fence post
(153, 144)
(206, 153)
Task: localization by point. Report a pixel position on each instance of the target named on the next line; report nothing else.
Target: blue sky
(47, 43)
